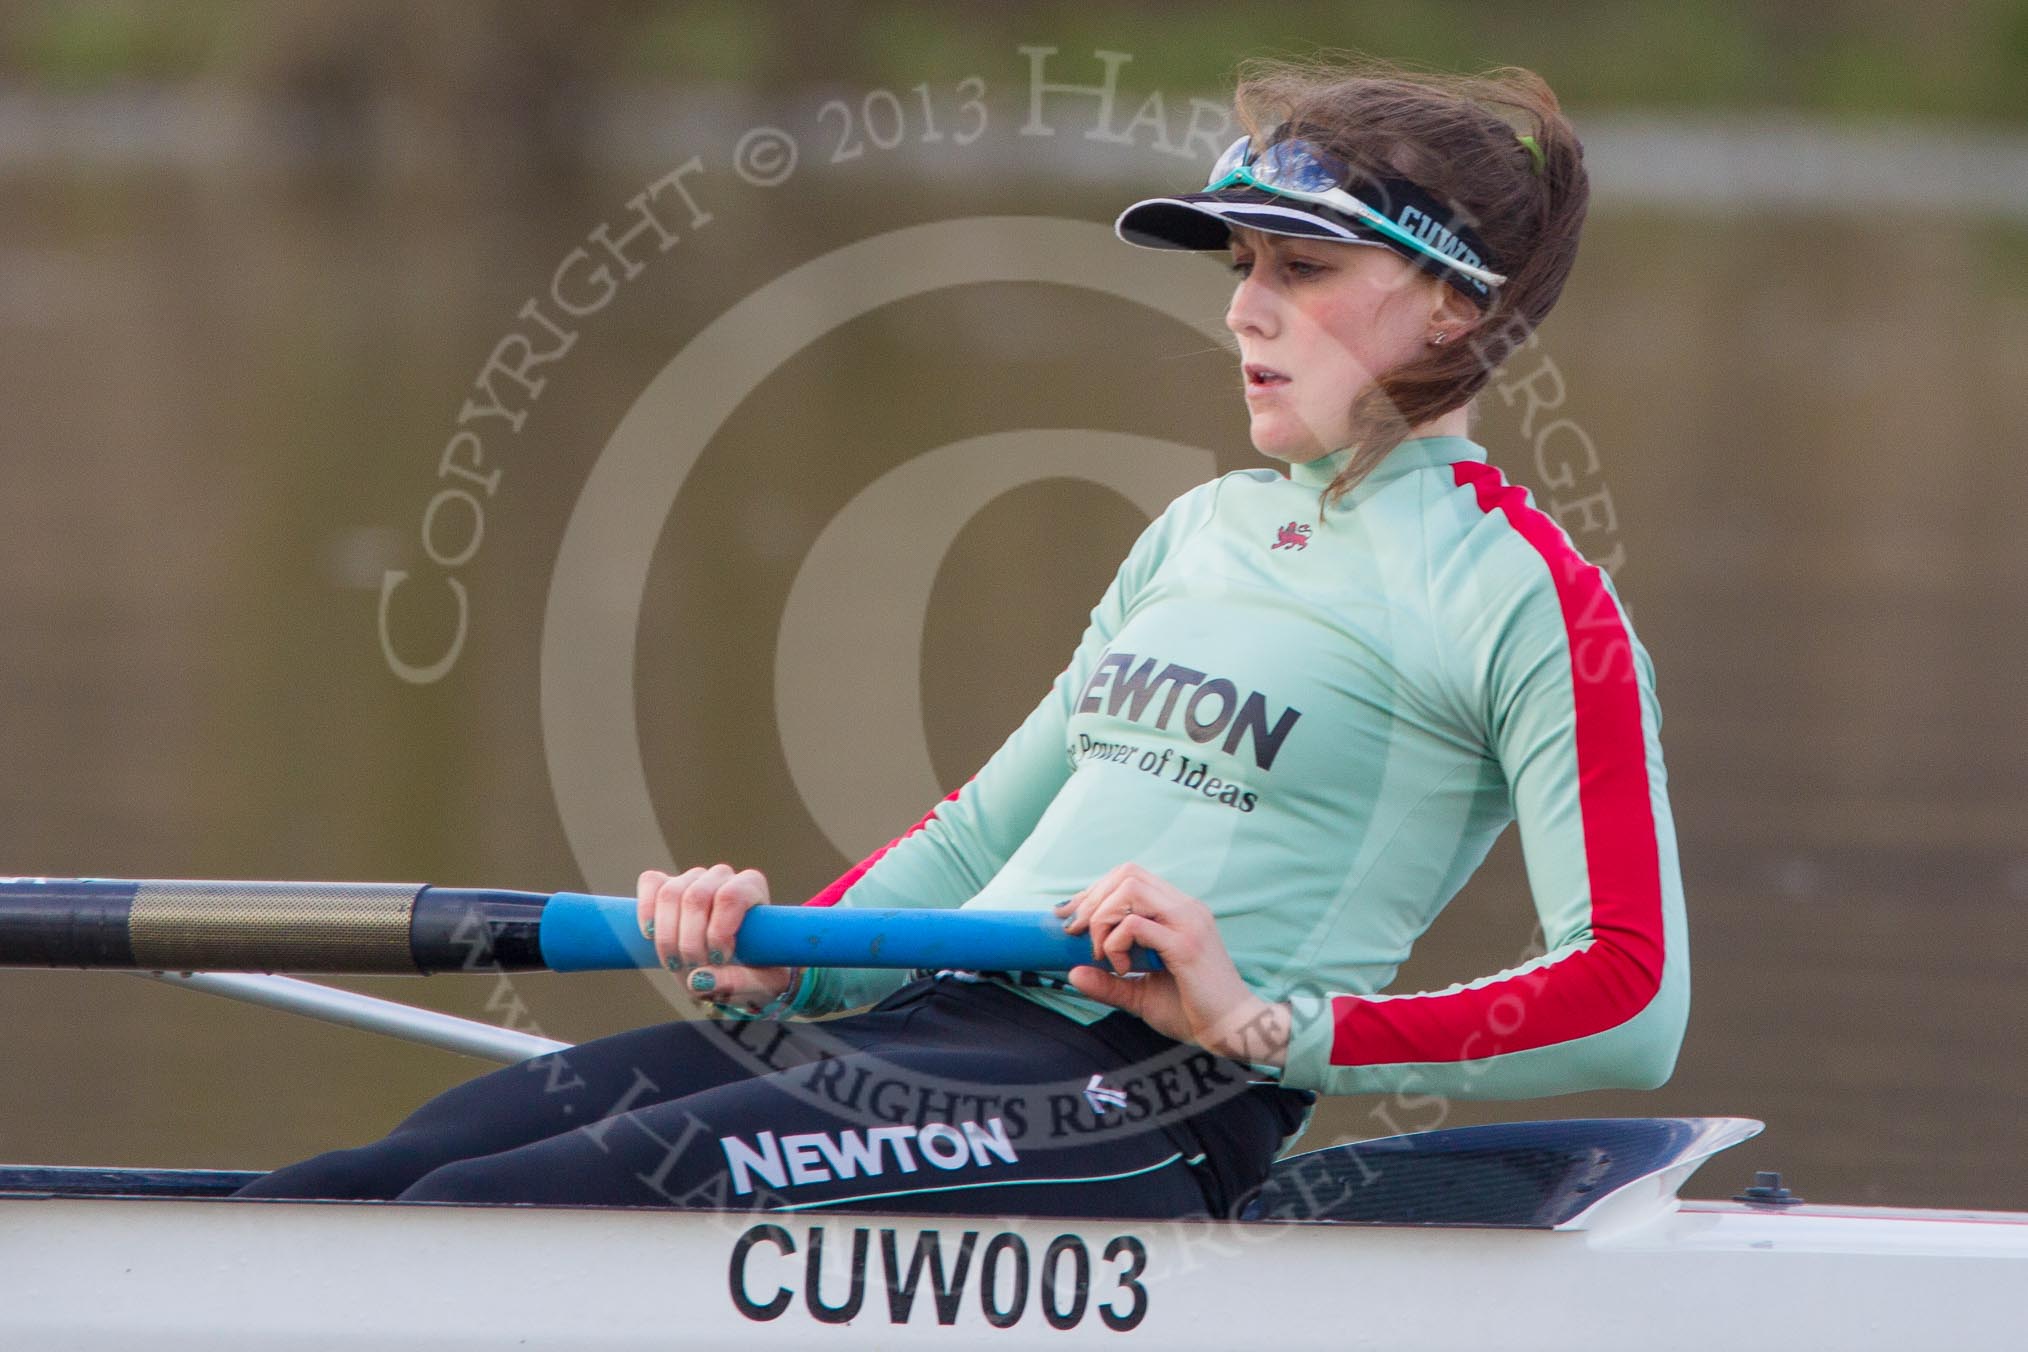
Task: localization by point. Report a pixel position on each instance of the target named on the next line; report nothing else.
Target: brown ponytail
(1458, 138)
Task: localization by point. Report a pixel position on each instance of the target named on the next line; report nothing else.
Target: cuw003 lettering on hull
(1005, 1278)
(1563, 1235)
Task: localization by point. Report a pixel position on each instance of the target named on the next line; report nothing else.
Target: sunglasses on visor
(1299, 170)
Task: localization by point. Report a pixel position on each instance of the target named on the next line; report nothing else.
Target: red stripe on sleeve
(843, 883)
(1609, 982)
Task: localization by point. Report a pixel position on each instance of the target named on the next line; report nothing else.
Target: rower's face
(1317, 322)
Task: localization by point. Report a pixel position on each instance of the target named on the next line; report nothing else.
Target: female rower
(1300, 716)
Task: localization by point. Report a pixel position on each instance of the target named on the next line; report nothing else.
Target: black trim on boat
(41, 1180)
(1516, 1175)
(1520, 1175)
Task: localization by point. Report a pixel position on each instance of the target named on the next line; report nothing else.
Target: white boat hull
(87, 1273)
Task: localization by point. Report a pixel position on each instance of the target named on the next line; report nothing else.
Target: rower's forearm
(1273, 1028)
(1262, 1038)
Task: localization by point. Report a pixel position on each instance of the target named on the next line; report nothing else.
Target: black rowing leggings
(950, 1096)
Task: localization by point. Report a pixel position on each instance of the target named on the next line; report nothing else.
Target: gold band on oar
(266, 927)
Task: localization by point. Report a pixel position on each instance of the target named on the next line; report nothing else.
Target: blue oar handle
(173, 925)
(585, 933)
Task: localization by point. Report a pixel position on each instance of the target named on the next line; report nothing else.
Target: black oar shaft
(405, 928)
(477, 929)
(176, 926)
(67, 922)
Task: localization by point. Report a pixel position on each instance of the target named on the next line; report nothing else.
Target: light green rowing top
(1318, 724)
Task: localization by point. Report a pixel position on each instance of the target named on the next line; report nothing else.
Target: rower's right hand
(693, 917)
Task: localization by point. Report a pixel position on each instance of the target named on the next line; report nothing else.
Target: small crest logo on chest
(1295, 535)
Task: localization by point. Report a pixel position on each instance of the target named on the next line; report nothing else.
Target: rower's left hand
(1199, 997)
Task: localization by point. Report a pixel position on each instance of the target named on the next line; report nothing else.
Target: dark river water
(226, 403)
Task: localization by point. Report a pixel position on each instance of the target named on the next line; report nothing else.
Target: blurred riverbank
(233, 348)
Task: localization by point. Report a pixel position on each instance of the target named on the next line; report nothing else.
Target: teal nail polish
(701, 981)
(673, 964)
(717, 957)
(647, 929)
